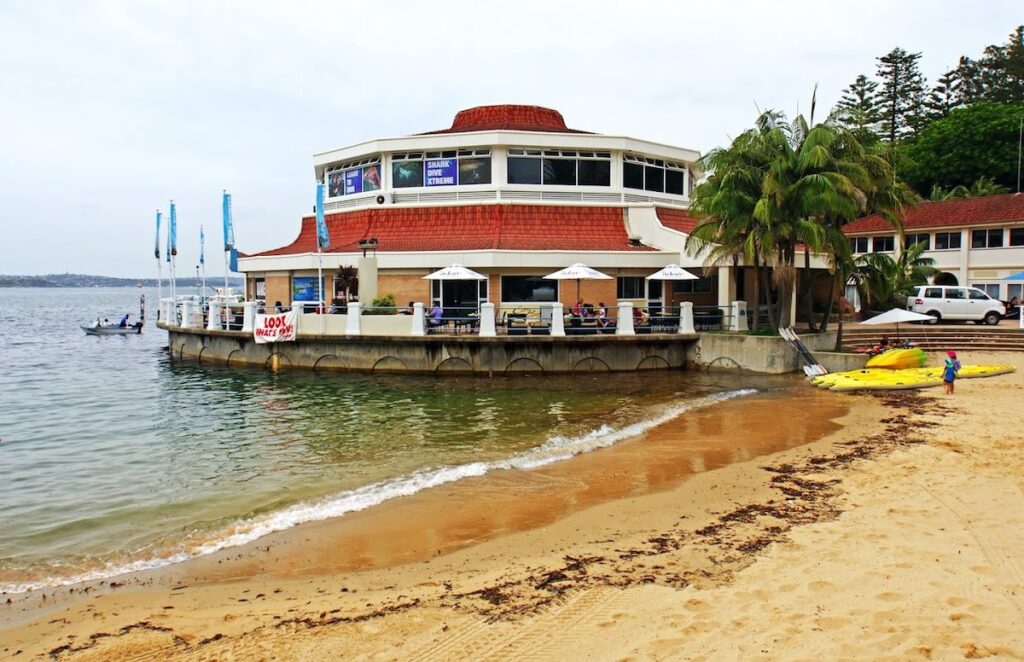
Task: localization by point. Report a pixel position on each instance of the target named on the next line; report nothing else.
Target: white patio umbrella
(672, 272)
(453, 271)
(577, 272)
(897, 315)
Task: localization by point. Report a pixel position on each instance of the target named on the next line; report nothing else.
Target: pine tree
(944, 97)
(970, 83)
(903, 93)
(857, 110)
(1002, 69)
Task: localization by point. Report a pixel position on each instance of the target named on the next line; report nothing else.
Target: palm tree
(780, 186)
(347, 279)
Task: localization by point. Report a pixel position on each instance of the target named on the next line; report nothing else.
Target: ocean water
(114, 458)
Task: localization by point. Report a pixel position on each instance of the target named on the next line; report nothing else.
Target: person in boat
(98, 324)
(124, 321)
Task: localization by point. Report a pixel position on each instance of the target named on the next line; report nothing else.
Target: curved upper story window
(559, 167)
(649, 174)
(462, 167)
(354, 177)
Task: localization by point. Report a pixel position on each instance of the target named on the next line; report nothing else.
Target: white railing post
(624, 325)
(249, 316)
(418, 320)
(214, 321)
(738, 316)
(353, 326)
(487, 328)
(557, 319)
(686, 317)
(186, 314)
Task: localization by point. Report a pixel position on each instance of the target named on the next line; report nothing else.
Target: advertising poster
(474, 171)
(441, 172)
(353, 181)
(371, 178)
(335, 184)
(405, 174)
(304, 288)
(280, 327)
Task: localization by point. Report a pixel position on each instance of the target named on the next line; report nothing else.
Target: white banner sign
(276, 328)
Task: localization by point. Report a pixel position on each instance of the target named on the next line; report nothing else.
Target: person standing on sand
(951, 367)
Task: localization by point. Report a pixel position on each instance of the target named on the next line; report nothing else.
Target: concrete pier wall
(506, 354)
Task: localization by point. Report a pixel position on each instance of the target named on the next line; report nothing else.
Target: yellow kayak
(885, 379)
(897, 359)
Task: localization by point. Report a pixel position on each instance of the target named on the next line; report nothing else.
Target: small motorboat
(112, 329)
(122, 328)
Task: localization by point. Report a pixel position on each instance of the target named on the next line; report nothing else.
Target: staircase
(1005, 337)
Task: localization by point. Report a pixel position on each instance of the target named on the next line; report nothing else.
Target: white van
(955, 303)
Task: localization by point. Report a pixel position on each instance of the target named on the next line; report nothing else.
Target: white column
(249, 316)
(686, 317)
(214, 321)
(487, 329)
(726, 287)
(738, 316)
(352, 320)
(624, 327)
(557, 319)
(419, 320)
(792, 307)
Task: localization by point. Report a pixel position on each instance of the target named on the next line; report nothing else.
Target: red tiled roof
(508, 117)
(470, 227)
(677, 219)
(989, 210)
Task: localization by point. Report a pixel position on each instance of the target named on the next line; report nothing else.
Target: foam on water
(555, 449)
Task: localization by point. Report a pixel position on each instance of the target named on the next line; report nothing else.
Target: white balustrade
(487, 327)
(624, 327)
(557, 319)
(353, 323)
(686, 317)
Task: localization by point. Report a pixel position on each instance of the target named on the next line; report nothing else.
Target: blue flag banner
(156, 251)
(202, 244)
(229, 230)
(323, 238)
(172, 234)
(233, 260)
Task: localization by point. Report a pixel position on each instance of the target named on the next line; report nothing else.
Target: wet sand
(809, 525)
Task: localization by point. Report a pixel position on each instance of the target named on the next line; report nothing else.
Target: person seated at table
(411, 308)
(639, 315)
(602, 315)
(576, 313)
(436, 315)
(588, 311)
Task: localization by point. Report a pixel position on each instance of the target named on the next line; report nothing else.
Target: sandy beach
(817, 525)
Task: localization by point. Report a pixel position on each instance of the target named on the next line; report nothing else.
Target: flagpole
(323, 240)
(172, 251)
(202, 258)
(229, 239)
(159, 269)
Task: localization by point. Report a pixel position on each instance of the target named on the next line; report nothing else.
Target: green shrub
(382, 305)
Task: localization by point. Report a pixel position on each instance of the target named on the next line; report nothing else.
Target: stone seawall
(438, 354)
(506, 354)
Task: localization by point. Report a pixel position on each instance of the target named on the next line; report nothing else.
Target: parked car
(955, 303)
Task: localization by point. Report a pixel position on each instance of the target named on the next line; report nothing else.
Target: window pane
(633, 175)
(630, 287)
(882, 244)
(407, 173)
(1017, 236)
(995, 238)
(524, 289)
(954, 240)
(654, 179)
(978, 238)
(919, 239)
(674, 182)
(560, 172)
(523, 171)
(595, 173)
(474, 171)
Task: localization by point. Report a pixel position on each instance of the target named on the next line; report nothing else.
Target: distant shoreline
(81, 280)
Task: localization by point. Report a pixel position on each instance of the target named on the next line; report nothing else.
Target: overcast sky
(111, 109)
